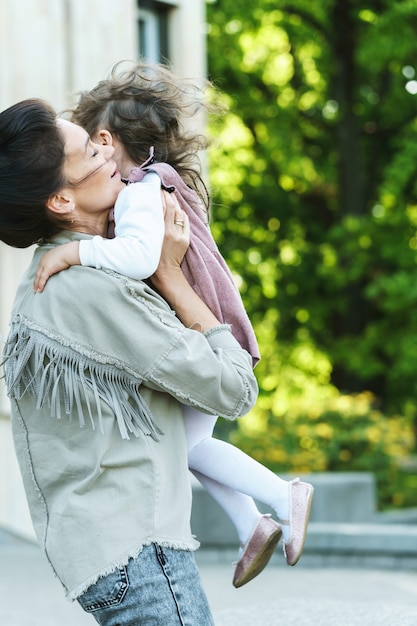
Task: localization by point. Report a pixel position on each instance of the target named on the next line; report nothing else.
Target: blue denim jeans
(161, 587)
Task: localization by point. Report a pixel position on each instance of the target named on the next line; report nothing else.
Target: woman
(96, 368)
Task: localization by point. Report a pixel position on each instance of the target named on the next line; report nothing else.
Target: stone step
(345, 529)
(339, 497)
(369, 546)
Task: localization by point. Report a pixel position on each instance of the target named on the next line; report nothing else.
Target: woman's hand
(169, 279)
(176, 241)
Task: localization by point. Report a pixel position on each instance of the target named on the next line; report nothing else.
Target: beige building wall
(52, 49)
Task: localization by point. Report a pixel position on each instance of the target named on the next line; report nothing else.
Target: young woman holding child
(97, 369)
(140, 112)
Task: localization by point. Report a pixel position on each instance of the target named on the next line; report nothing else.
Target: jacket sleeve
(208, 371)
(123, 327)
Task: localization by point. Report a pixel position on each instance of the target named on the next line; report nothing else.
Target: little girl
(141, 112)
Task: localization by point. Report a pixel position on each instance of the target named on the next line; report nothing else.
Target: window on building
(153, 30)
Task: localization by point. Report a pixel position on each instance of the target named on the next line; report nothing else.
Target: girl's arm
(139, 233)
(136, 248)
(54, 261)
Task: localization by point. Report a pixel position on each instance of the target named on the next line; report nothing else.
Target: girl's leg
(239, 507)
(231, 467)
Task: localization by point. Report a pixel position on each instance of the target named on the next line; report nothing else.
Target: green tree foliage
(337, 433)
(315, 192)
(314, 185)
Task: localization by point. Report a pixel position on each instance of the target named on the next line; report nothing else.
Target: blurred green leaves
(314, 190)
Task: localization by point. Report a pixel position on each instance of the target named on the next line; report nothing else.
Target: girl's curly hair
(146, 105)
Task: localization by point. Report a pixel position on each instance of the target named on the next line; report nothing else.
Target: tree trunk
(350, 167)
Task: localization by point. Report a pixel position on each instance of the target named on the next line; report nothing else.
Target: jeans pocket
(106, 592)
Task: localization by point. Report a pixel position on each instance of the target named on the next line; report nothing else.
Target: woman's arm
(211, 372)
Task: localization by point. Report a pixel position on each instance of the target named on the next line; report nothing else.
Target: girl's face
(91, 173)
(121, 156)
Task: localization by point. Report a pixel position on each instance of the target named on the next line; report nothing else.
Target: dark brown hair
(147, 105)
(31, 170)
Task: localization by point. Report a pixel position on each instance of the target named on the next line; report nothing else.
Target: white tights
(232, 477)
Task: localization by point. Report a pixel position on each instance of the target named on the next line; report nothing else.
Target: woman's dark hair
(146, 105)
(31, 170)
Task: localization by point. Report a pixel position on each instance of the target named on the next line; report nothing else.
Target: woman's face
(90, 171)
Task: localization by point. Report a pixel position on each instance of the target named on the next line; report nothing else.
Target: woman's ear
(61, 203)
(104, 137)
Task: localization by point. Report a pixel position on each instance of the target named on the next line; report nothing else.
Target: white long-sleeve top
(139, 228)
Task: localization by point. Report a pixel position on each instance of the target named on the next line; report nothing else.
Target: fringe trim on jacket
(64, 377)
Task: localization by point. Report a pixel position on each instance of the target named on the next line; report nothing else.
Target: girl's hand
(54, 261)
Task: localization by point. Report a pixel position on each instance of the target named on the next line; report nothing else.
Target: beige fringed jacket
(96, 367)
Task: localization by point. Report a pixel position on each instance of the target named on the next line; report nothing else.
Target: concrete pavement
(302, 596)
